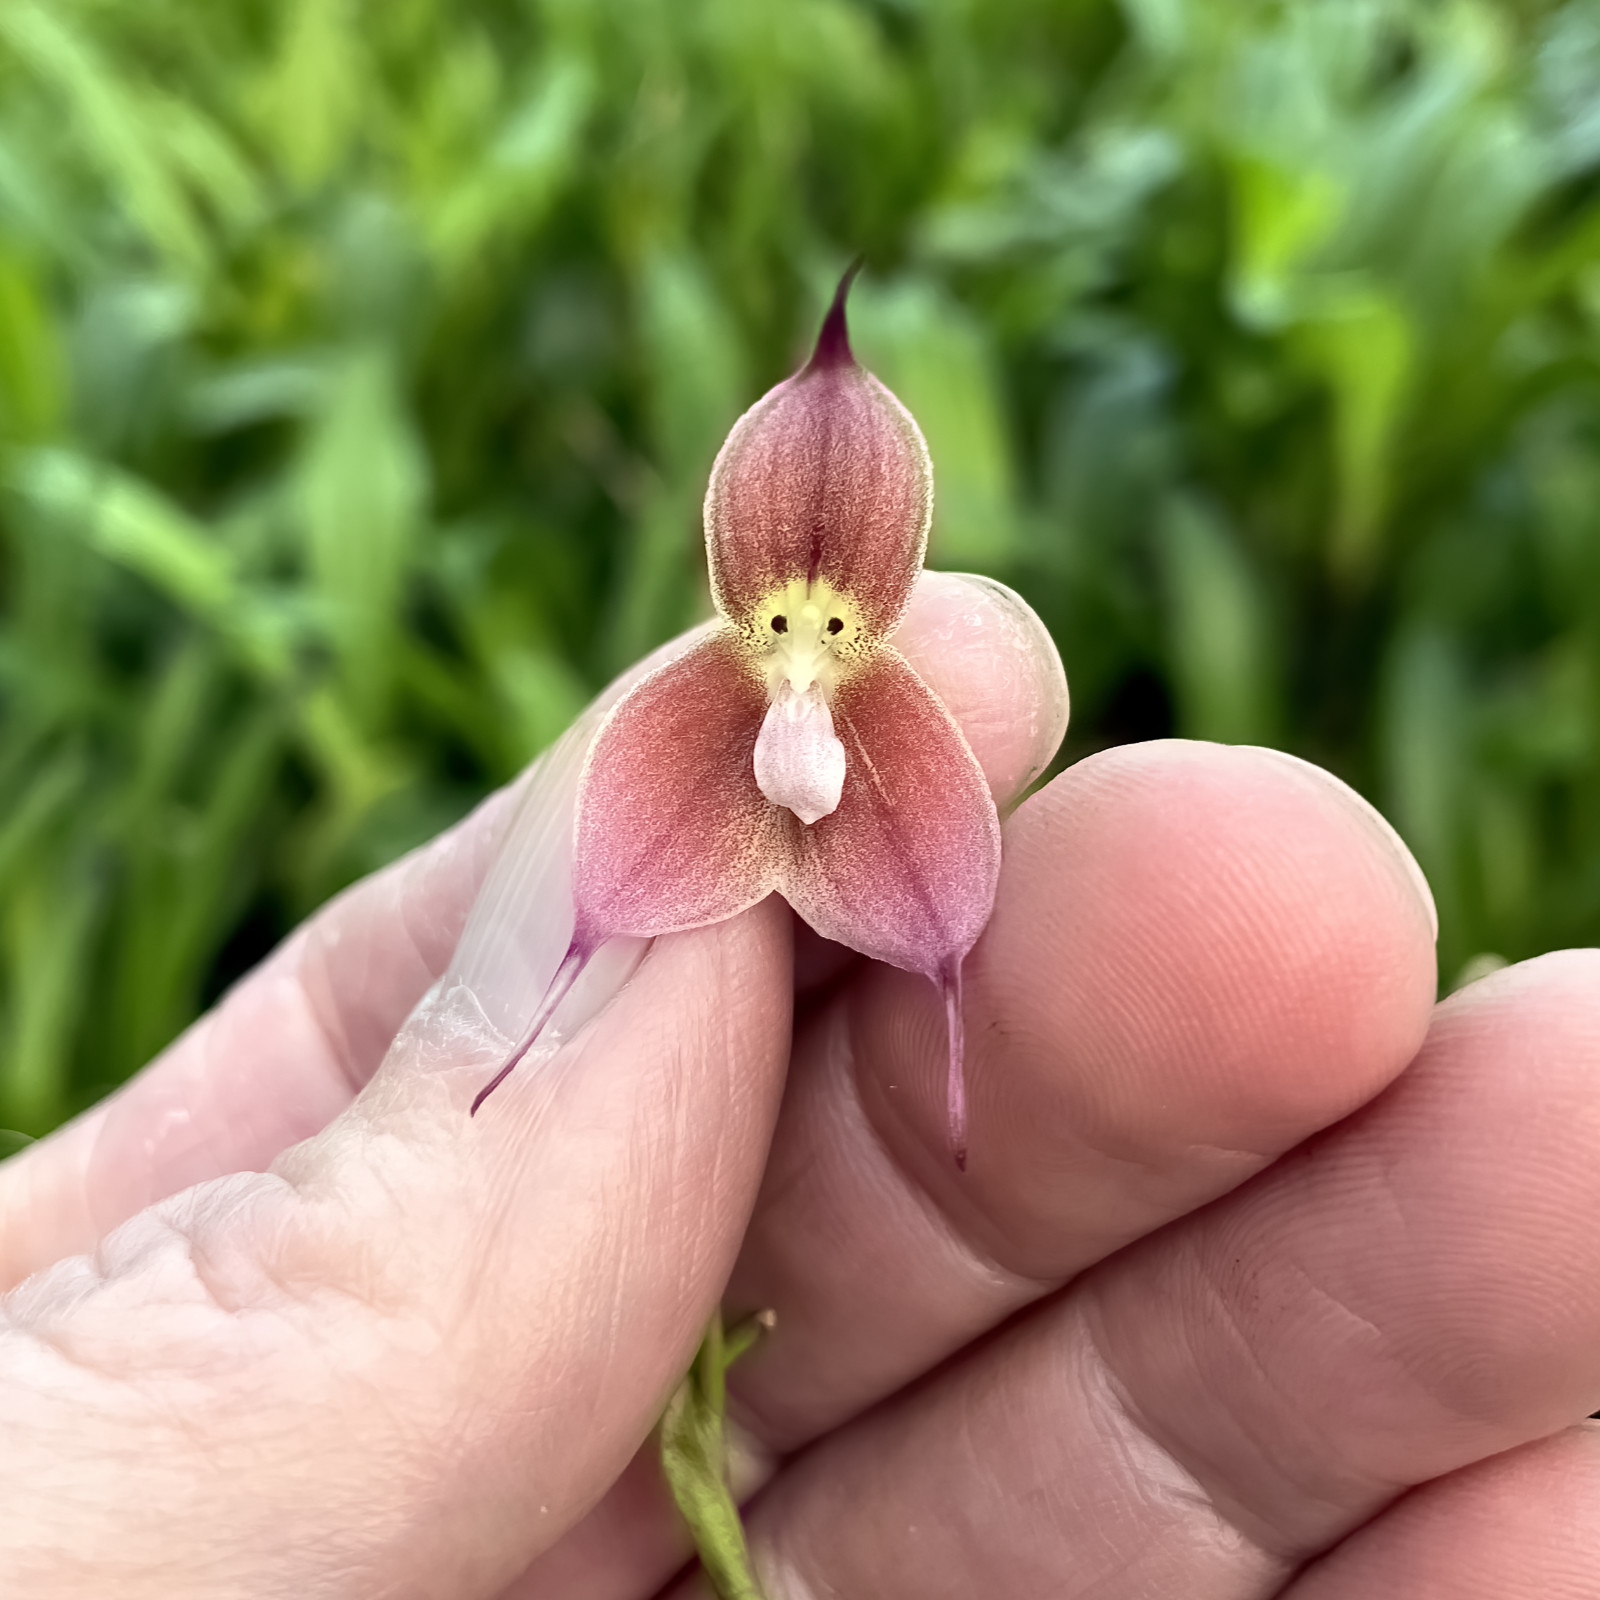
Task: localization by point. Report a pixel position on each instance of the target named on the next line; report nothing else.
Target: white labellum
(799, 760)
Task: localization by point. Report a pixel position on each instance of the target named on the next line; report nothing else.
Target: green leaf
(32, 368)
(362, 488)
(696, 391)
(131, 523)
(115, 126)
(512, 186)
(1363, 347)
(936, 358)
(310, 103)
(1223, 653)
(45, 937)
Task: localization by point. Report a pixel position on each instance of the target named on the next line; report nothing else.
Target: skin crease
(1279, 1293)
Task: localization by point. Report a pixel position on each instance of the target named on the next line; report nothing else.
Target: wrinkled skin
(1297, 1271)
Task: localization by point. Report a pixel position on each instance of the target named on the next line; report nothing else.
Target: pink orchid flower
(794, 749)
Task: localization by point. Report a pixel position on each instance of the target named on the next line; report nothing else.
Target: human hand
(410, 1359)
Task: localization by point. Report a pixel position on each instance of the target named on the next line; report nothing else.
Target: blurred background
(361, 365)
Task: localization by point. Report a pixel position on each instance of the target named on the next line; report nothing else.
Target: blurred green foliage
(361, 365)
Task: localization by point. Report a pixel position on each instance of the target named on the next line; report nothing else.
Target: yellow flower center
(807, 633)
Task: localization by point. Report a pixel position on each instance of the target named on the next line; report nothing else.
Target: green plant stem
(694, 1457)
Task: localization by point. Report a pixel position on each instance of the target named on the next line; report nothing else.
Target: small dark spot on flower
(780, 624)
(835, 624)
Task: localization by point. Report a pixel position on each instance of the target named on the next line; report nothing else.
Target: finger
(1413, 1291)
(291, 1044)
(1520, 1526)
(426, 1342)
(983, 651)
(1199, 955)
(1419, 1287)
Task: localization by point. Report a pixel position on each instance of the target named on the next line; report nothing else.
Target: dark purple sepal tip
(833, 342)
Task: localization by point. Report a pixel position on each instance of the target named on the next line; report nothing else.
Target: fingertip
(1193, 946)
(984, 652)
(1370, 817)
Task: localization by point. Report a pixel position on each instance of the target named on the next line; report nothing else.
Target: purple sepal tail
(572, 963)
(833, 342)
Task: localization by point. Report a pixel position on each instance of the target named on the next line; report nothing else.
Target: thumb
(424, 1343)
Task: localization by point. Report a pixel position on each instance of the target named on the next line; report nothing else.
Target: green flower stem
(694, 1457)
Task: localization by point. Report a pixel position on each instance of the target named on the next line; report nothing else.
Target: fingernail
(1379, 825)
(516, 932)
(983, 650)
(520, 925)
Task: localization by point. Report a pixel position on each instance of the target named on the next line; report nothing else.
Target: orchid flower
(794, 749)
